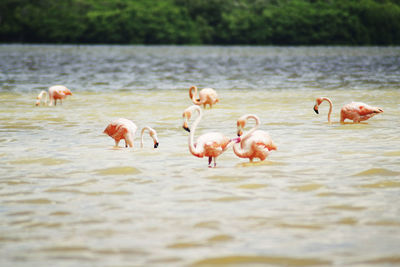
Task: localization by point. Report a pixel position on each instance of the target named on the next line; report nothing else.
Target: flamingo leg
(116, 143)
(215, 162)
(209, 161)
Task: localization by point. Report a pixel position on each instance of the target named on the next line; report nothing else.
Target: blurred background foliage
(252, 22)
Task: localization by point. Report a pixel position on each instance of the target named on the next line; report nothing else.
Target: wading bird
(355, 111)
(126, 129)
(255, 143)
(56, 92)
(206, 96)
(209, 145)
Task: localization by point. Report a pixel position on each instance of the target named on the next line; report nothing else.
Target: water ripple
(275, 260)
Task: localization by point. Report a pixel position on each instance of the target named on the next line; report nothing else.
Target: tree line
(223, 22)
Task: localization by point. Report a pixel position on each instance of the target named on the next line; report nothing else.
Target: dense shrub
(278, 22)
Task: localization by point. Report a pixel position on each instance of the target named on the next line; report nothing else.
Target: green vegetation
(277, 22)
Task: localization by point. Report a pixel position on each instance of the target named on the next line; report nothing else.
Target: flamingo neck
(194, 96)
(142, 135)
(252, 130)
(240, 152)
(196, 151)
(330, 107)
(39, 98)
(152, 133)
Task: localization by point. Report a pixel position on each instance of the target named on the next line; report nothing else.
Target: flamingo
(255, 143)
(206, 96)
(355, 111)
(209, 145)
(126, 129)
(56, 92)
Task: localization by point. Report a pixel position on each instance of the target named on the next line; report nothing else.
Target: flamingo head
(68, 92)
(187, 114)
(241, 123)
(318, 102)
(153, 135)
(185, 126)
(272, 147)
(316, 109)
(186, 118)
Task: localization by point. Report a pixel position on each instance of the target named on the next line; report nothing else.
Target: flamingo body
(56, 92)
(211, 144)
(206, 96)
(358, 111)
(255, 143)
(122, 129)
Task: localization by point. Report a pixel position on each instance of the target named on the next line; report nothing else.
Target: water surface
(328, 196)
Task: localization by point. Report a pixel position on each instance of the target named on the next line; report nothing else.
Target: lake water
(330, 194)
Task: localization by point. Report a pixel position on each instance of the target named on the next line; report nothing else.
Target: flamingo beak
(316, 109)
(185, 126)
(274, 147)
(156, 144)
(236, 140)
(239, 133)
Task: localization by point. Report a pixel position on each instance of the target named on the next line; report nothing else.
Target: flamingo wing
(213, 143)
(261, 144)
(208, 96)
(120, 128)
(116, 131)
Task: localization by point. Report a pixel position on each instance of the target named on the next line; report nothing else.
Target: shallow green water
(328, 196)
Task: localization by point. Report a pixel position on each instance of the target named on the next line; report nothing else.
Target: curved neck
(196, 152)
(142, 135)
(330, 107)
(152, 133)
(240, 152)
(252, 130)
(39, 97)
(194, 96)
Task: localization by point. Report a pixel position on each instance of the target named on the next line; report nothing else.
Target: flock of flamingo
(253, 144)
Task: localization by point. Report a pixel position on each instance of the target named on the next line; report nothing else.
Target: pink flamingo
(355, 111)
(56, 92)
(126, 129)
(255, 143)
(209, 145)
(206, 96)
